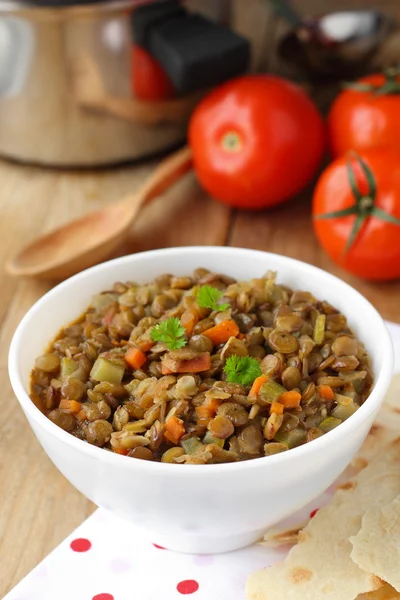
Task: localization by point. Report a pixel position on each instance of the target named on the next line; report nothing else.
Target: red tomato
(359, 120)
(256, 140)
(149, 80)
(367, 241)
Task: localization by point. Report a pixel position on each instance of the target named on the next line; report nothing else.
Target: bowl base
(207, 545)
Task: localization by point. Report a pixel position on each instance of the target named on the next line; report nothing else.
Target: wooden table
(38, 507)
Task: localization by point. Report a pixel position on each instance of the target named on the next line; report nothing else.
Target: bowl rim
(360, 416)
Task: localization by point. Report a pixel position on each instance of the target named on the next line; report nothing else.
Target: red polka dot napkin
(107, 559)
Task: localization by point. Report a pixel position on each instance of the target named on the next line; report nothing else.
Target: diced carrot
(135, 358)
(71, 406)
(204, 412)
(255, 388)
(213, 404)
(326, 392)
(122, 451)
(276, 407)
(81, 416)
(189, 319)
(174, 429)
(290, 399)
(222, 332)
(208, 409)
(195, 365)
(202, 362)
(108, 317)
(144, 345)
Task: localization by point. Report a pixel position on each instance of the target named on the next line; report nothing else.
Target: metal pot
(66, 94)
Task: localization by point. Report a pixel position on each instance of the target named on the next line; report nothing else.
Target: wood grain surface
(38, 507)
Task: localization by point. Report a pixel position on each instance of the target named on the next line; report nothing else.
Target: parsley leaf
(242, 369)
(208, 296)
(170, 332)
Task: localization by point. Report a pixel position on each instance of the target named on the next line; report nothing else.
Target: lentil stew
(202, 369)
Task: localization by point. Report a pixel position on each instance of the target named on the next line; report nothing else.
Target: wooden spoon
(91, 239)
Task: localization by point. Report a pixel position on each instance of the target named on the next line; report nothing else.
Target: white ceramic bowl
(200, 508)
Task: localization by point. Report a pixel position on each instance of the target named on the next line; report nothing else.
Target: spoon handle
(90, 239)
(168, 172)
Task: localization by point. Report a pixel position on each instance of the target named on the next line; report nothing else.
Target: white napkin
(107, 559)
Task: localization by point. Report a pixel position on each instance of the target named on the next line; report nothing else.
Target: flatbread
(386, 592)
(376, 547)
(386, 426)
(392, 398)
(280, 537)
(385, 429)
(319, 566)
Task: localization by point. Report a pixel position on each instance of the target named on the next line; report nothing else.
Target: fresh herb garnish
(208, 296)
(170, 332)
(242, 369)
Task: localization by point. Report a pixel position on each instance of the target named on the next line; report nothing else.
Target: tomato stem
(231, 141)
(364, 206)
(353, 183)
(358, 223)
(352, 210)
(390, 85)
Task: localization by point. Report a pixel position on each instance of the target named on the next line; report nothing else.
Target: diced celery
(319, 329)
(210, 439)
(274, 448)
(105, 370)
(329, 423)
(100, 301)
(68, 366)
(292, 438)
(350, 392)
(344, 412)
(359, 385)
(271, 391)
(354, 376)
(191, 445)
(343, 400)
